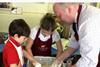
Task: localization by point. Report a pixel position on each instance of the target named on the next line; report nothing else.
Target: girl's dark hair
(20, 27)
(48, 22)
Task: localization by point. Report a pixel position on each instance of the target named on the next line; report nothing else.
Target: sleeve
(89, 43)
(33, 33)
(55, 36)
(12, 57)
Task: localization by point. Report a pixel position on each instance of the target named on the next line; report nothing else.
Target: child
(42, 37)
(13, 53)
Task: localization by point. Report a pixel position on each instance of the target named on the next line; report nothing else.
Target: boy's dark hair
(20, 27)
(48, 22)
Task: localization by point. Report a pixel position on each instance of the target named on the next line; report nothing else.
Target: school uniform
(10, 53)
(42, 45)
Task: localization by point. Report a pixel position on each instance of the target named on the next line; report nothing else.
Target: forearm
(29, 57)
(29, 46)
(29, 51)
(59, 53)
(66, 54)
(59, 48)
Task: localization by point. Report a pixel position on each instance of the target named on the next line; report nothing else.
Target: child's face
(20, 39)
(45, 32)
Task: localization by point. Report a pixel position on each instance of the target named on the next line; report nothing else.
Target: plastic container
(44, 61)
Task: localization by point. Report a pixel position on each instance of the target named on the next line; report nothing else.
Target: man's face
(63, 14)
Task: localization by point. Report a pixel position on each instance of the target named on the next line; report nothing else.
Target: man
(87, 33)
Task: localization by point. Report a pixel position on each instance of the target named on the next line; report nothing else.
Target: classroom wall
(30, 12)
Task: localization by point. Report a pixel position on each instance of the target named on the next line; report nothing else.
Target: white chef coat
(89, 36)
(55, 35)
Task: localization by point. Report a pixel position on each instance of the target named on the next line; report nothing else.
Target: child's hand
(56, 63)
(19, 65)
(36, 64)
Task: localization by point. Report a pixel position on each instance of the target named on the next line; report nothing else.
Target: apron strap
(98, 65)
(76, 24)
(19, 51)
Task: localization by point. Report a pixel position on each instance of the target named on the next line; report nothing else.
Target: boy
(13, 52)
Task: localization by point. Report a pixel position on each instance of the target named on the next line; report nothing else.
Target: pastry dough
(38, 65)
(55, 65)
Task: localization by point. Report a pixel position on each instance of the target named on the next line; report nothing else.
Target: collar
(84, 6)
(14, 41)
(78, 15)
(76, 18)
(79, 11)
(43, 38)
